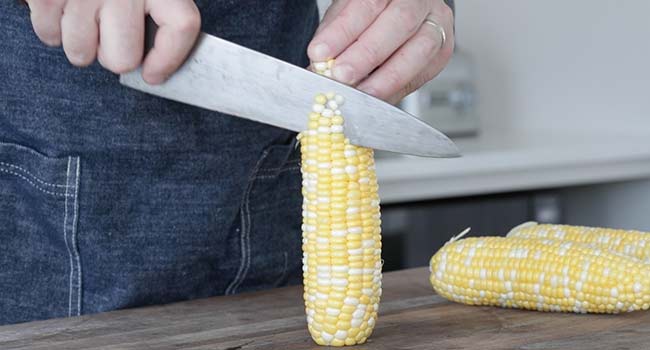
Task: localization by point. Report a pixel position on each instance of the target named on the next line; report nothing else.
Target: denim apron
(111, 198)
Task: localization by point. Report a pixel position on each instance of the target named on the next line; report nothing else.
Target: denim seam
(248, 243)
(74, 235)
(65, 237)
(275, 175)
(29, 150)
(289, 162)
(70, 237)
(245, 230)
(36, 186)
(15, 166)
(242, 242)
(245, 248)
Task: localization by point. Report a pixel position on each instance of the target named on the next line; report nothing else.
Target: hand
(113, 32)
(384, 47)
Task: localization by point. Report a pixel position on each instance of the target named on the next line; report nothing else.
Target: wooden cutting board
(411, 317)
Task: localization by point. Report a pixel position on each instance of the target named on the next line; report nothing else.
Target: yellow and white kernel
(559, 276)
(341, 228)
(627, 242)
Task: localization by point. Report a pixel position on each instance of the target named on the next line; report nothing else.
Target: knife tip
(441, 147)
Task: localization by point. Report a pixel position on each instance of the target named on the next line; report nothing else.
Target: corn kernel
(566, 276)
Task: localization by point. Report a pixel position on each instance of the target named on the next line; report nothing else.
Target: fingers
(332, 12)
(79, 31)
(424, 77)
(113, 32)
(345, 23)
(415, 63)
(421, 53)
(421, 79)
(46, 20)
(121, 35)
(179, 23)
(394, 27)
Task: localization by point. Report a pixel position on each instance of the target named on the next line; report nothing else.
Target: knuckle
(374, 5)
(410, 87)
(407, 16)
(392, 81)
(414, 85)
(399, 95)
(444, 11)
(429, 44)
(369, 53)
(190, 23)
(346, 33)
(426, 77)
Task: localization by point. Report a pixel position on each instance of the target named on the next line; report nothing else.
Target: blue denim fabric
(111, 198)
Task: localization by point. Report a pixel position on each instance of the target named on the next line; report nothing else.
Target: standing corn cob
(341, 229)
(633, 243)
(539, 274)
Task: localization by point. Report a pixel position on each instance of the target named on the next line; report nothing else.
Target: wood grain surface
(411, 317)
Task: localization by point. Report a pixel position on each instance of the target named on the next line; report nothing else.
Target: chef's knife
(222, 76)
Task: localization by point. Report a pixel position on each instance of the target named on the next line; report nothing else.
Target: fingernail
(154, 79)
(320, 52)
(343, 73)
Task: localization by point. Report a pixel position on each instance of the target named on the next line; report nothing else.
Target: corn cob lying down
(632, 243)
(538, 274)
(341, 229)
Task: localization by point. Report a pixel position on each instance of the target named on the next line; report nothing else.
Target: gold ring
(439, 29)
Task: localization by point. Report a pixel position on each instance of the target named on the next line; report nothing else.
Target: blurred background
(549, 102)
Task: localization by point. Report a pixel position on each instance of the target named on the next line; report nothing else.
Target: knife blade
(222, 76)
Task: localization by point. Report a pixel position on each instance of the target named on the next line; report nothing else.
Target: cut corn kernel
(341, 228)
(538, 274)
(633, 243)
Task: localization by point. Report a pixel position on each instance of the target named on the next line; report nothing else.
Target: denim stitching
(276, 175)
(4, 170)
(245, 231)
(246, 219)
(289, 162)
(248, 244)
(10, 165)
(65, 237)
(242, 242)
(242, 238)
(75, 249)
(275, 170)
(33, 152)
(245, 248)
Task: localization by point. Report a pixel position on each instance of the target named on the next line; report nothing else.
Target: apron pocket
(271, 219)
(40, 272)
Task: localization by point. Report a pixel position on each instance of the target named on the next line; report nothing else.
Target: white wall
(565, 64)
(556, 63)
(575, 64)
